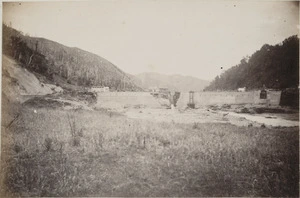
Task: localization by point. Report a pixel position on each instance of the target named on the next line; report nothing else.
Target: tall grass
(118, 156)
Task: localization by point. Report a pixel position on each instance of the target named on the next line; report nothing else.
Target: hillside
(76, 66)
(275, 67)
(18, 82)
(173, 82)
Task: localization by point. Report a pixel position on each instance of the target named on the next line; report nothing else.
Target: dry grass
(117, 156)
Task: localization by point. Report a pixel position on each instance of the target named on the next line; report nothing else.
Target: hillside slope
(173, 82)
(273, 66)
(76, 66)
(18, 81)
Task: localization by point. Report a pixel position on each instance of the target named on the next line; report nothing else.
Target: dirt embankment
(19, 84)
(22, 88)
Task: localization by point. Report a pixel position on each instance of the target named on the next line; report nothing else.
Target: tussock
(117, 156)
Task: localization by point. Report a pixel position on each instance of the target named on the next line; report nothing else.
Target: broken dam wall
(118, 100)
(219, 98)
(132, 99)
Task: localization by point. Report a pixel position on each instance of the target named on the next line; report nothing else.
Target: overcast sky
(188, 37)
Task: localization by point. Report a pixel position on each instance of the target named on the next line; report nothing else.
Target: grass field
(54, 152)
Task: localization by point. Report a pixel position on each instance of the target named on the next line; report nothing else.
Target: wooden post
(191, 103)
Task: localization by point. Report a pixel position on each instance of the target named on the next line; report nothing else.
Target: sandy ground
(200, 115)
(273, 120)
(144, 106)
(205, 115)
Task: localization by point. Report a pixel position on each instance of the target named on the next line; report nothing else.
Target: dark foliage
(290, 97)
(76, 66)
(275, 67)
(15, 46)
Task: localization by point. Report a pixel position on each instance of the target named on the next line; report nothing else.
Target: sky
(187, 37)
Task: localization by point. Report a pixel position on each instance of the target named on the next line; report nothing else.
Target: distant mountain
(273, 66)
(76, 66)
(173, 82)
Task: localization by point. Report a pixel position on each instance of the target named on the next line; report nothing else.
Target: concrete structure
(219, 98)
(243, 89)
(128, 99)
(153, 89)
(99, 89)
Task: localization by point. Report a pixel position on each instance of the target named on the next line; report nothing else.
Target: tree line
(75, 66)
(275, 67)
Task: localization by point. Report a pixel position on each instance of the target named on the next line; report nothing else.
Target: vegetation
(52, 152)
(48, 151)
(75, 66)
(273, 66)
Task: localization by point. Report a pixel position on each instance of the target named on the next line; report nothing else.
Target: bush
(48, 144)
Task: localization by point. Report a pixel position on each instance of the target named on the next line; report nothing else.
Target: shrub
(48, 144)
(195, 125)
(17, 148)
(76, 141)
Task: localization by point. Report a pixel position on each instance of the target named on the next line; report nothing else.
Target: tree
(275, 66)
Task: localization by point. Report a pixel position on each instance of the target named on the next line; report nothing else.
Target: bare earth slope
(76, 66)
(18, 82)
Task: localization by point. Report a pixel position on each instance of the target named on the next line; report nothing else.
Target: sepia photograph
(150, 98)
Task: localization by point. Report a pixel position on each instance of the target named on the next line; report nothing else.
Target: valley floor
(50, 150)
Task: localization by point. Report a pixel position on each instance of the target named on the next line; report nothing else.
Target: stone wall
(219, 98)
(127, 99)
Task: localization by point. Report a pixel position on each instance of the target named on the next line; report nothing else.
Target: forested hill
(273, 66)
(76, 66)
